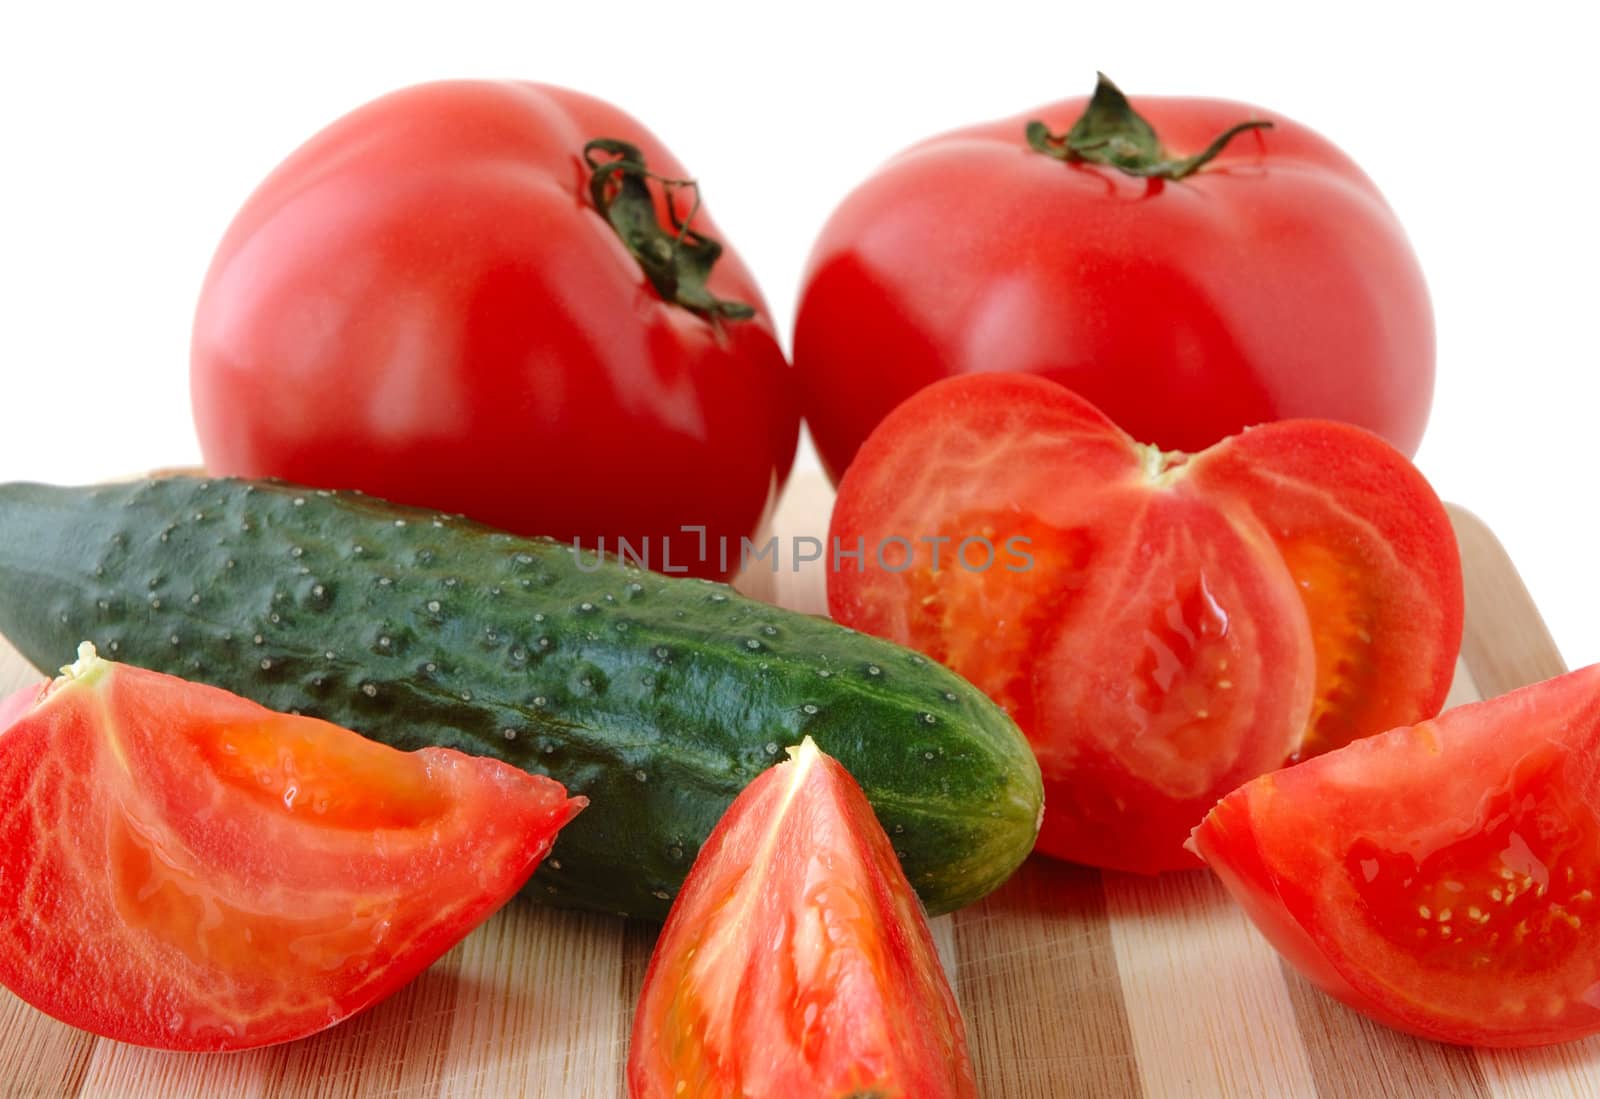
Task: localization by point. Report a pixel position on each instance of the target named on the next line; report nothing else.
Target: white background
(132, 134)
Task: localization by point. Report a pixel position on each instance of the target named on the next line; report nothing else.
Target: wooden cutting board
(1073, 982)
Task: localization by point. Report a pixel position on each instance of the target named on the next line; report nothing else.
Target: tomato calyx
(677, 261)
(1112, 133)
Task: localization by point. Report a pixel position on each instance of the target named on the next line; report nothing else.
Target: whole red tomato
(1189, 279)
(500, 299)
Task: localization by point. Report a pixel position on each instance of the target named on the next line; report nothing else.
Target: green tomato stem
(676, 260)
(1112, 133)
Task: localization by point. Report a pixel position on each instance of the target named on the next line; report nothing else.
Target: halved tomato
(1163, 626)
(1440, 878)
(182, 868)
(797, 960)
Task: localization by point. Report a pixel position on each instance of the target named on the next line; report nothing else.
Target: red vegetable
(426, 302)
(1162, 626)
(185, 869)
(1439, 878)
(796, 960)
(1185, 300)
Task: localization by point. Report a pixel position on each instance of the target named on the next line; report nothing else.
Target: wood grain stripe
(1352, 1056)
(1571, 1071)
(1205, 994)
(397, 1048)
(39, 1056)
(537, 1012)
(15, 672)
(1463, 688)
(1507, 646)
(1038, 978)
(943, 930)
(638, 943)
(803, 511)
(117, 1071)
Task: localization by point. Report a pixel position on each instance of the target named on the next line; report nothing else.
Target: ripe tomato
(1439, 878)
(1185, 301)
(425, 302)
(185, 869)
(796, 959)
(1163, 626)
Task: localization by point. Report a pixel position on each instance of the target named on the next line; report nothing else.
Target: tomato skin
(1487, 933)
(1274, 283)
(797, 960)
(1187, 621)
(188, 870)
(423, 303)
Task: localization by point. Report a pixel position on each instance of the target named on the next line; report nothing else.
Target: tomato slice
(1440, 878)
(185, 869)
(1162, 626)
(797, 960)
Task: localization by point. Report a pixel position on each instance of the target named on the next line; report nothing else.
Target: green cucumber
(657, 698)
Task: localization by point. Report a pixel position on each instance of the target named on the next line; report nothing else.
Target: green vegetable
(658, 698)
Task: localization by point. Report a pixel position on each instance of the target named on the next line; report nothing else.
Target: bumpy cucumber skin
(658, 698)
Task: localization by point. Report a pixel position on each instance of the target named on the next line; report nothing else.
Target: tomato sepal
(1111, 133)
(677, 262)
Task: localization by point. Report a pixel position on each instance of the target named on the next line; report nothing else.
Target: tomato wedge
(1440, 878)
(797, 960)
(1163, 626)
(185, 869)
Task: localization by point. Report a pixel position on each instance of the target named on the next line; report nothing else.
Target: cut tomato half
(797, 960)
(1441, 878)
(1163, 626)
(185, 869)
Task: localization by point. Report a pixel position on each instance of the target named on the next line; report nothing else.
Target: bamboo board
(1072, 982)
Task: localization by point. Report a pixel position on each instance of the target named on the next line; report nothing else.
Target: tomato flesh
(188, 870)
(1181, 674)
(1018, 611)
(1181, 624)
(797, 960)
(1371, 555)
(1440, 878)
